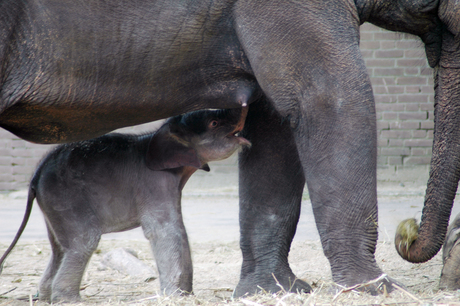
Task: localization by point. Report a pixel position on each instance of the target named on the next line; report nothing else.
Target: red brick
(395, 160)
(382, 160)
(419, 134)
(427, 125)
(389, 53)
(382, 125)
(379, 98)
(410, 62)
(407, 44)
(427, 89)
(390, 116)
(382, 81)
(413, 116)
(381, 89)
(395, 142)
(417, 160)
(382, 142)
(412, 107)
(385, 45)
(380, 62)
(414, 98)
(373, 45)
(418, 142)
(369, 27)
(411, 71)
(388, 71)
(404, 125)
(395, 151)
(417, 152)
(426, 106)
(367, 54)
(386, 36)
(413, 89)
(22, 152)
(396, 134)
(366, 36)
(428, 71)
(411, 81)
(22, 170)
(395, 107)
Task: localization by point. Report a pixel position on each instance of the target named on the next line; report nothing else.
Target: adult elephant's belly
(115, 64)
(64, 120)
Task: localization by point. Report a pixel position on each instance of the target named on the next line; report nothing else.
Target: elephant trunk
(424, 242)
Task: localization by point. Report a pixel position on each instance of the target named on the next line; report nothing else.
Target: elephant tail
(30, 200)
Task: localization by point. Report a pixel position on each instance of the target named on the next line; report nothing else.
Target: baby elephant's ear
(165, 151)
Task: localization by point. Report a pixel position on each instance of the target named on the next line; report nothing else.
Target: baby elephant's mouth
(239, 127)
(240, 140)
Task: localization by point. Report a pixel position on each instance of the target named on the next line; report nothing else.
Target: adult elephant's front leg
(306, 58)
(271, 186)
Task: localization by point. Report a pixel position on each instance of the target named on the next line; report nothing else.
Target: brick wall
(403, 89)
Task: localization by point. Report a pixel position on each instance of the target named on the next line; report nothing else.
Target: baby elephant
(118, 182)
(450, 275)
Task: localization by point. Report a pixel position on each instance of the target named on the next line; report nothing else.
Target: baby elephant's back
(95, 175)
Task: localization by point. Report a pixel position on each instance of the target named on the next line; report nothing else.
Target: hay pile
(216, 272)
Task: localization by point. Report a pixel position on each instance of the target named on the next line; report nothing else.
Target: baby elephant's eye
(213, 124)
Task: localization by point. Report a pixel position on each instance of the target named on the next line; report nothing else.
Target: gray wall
(403, 88)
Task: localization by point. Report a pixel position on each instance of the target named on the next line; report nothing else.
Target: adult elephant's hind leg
(271, 186)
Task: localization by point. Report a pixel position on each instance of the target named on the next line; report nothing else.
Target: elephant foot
(381, 285)
(74, 298)
(252, 284)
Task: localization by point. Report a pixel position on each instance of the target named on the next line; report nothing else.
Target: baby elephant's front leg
(166, 232)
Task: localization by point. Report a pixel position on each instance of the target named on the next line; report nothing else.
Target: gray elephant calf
(119, 182)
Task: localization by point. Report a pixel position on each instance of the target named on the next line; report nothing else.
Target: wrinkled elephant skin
(75, 69)
(450, 275)
(426, 240)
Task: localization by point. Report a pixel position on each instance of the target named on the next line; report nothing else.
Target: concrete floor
(210, 207)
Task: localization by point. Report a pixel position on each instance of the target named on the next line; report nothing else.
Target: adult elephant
(74, 69)
(419, 244)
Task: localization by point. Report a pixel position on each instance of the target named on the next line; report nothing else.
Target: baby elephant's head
(196, 138)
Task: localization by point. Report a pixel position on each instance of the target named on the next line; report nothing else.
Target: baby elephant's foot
(44, 295)
(65, 297)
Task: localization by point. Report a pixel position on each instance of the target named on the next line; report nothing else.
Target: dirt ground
(216, 272)
(217, 261)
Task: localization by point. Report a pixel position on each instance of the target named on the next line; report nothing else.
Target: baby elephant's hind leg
(53, 266)
(66, 283)
(169, 242)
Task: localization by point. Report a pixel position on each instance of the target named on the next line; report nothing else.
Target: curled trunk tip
(411, 245)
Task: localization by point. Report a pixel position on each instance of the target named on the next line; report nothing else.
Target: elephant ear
(166, 151)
